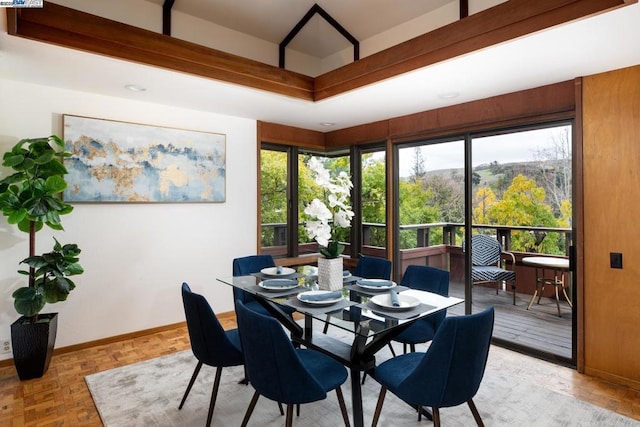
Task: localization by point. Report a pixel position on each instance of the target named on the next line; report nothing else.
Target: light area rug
(148, 394)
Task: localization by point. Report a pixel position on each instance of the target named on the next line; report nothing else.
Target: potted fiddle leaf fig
(30, 198)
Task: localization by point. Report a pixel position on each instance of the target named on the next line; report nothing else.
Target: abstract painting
(120, 162)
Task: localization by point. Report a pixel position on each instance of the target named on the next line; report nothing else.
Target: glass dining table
(363, 311)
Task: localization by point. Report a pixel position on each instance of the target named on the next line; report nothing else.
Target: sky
(513, 147)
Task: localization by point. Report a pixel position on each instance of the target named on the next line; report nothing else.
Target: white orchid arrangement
(328, 218)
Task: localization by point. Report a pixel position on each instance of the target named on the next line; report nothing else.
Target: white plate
(377, 288)
(406, 302)
(273, 271)
(318, 303)
(277, 288)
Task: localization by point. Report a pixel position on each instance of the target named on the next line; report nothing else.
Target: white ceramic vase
(330, 273)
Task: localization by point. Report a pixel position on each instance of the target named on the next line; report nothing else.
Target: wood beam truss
(78, 30)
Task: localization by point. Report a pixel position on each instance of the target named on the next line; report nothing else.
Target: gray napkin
(320, 297)
(381, 283)
(394, 298)
(278, 283)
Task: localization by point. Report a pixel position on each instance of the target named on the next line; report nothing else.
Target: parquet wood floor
(61, 397)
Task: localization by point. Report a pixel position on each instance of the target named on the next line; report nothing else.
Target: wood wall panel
(611, 150)
(529, 106)
(289, 135)
(363, 134)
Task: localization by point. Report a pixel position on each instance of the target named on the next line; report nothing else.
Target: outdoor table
(372, 327)
(559, 266)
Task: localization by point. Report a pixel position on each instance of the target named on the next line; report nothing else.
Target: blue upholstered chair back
(452, 368)
(273, 366)
(485, 250)
(249, 265)
(428, 279)
(209, 341)
(371, 267)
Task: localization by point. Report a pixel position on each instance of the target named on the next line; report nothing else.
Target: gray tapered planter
(33, 344)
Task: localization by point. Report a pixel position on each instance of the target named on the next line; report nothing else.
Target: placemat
(274, 294)
(284, 276)
(374, 292)
(318, 310)
(397, 314)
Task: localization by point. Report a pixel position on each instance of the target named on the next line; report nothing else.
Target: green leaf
(13, 160)
(45, 157)
(55, 184)
(17, 216)
(28, 302)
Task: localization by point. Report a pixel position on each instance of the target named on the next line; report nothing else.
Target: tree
(555, 169)
(373, 197)
(523, 203)
(417, 169)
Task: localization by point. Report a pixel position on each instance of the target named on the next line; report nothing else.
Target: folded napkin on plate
(277, 283)
(381, 283)
(346, 273)
(320, 297)
(394, 298)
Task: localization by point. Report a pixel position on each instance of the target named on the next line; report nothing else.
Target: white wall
(135, 256)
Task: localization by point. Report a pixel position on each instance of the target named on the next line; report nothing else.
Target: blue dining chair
(245, 266)
(210, 343)
(448, 374)
(428, 279)
(371, 267)
(282, 373)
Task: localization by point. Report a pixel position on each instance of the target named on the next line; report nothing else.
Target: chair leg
(412, 347)
(191, 381)
(280, 407)
(364, 377)
(326, 325)
(404, 348)
(376, 414)
(297, 409)
(436, 417)
(343, 407)
(419, 413)
(252, 405)
(214, 394)
(289, 420)
(476, 414)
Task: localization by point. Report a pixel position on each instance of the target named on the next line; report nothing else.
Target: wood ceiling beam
(504, 22)
(515, 18)
(71, 28)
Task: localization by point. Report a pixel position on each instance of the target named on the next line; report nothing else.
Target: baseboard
(613, 378)
(227, 316)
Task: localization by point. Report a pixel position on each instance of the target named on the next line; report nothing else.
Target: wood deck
(538, 329)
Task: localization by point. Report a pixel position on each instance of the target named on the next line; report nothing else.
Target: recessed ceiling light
(327, 124)
(448, 95)
(135, 88)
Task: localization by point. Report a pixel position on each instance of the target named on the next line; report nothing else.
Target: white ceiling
(272, 20)
(601, 43)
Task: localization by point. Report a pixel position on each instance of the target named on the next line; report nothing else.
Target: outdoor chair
(282, 373)
(210, 343)
(448, 374)
(486, 262)
(428, 279)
